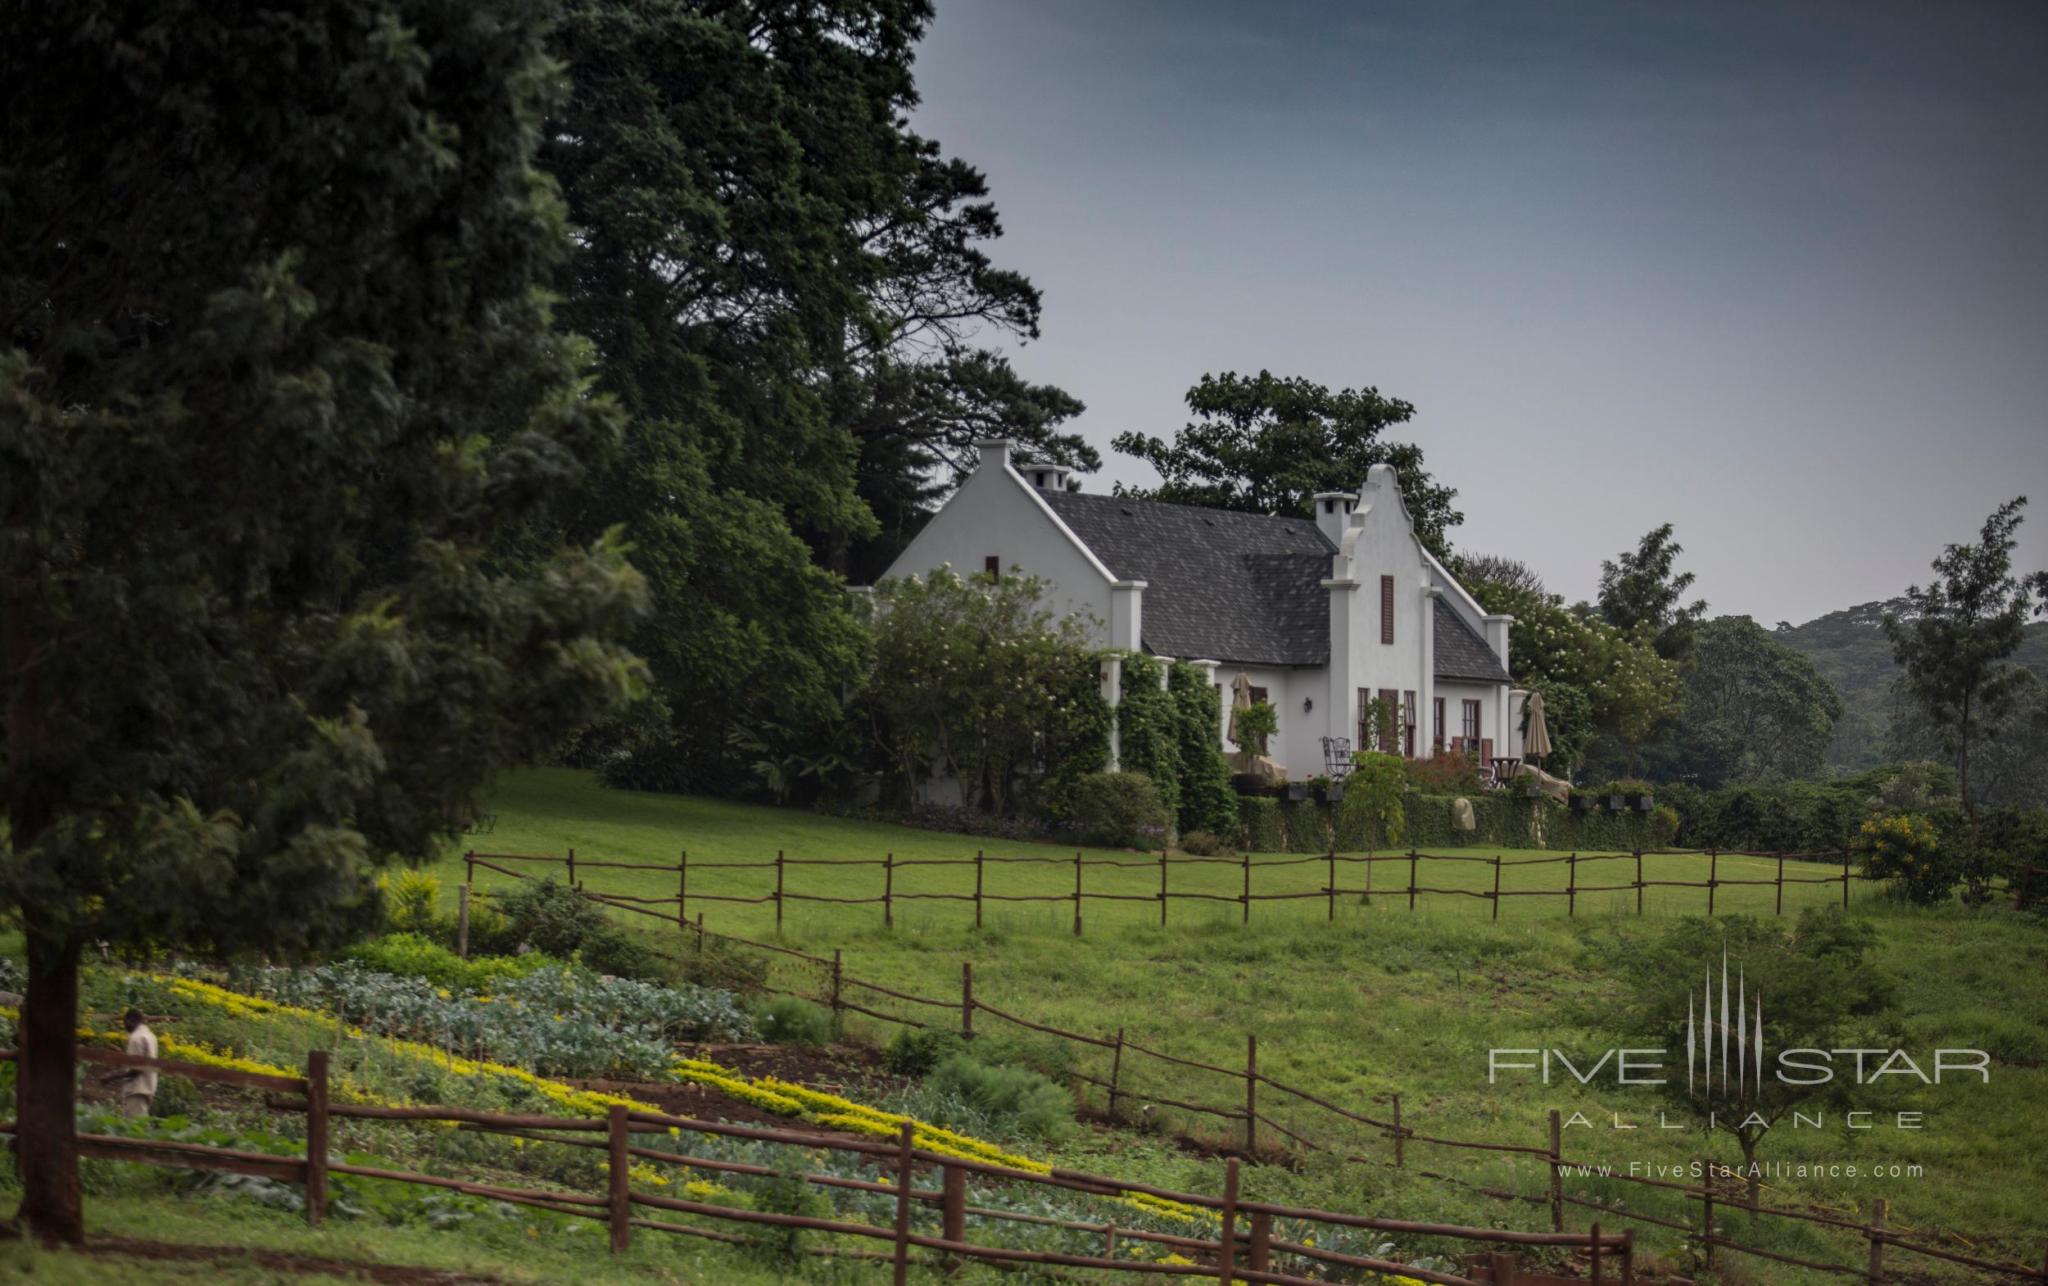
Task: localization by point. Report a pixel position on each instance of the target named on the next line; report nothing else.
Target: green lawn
(1379, 1001)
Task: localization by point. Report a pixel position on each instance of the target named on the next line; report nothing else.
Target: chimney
(1333, 514)
(995, 452)
(1043, 475)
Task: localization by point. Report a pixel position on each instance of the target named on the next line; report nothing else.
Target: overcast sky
(1776, 273)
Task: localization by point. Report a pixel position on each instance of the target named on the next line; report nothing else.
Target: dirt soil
(282, 1261)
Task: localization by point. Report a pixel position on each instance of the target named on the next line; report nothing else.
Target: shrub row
(1500, 821)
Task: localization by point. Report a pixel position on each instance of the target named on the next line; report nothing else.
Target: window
(1471, 720)
(1408, 724)
(1389, 739)
(1438, 742)
(1386, 609)
(993, 565)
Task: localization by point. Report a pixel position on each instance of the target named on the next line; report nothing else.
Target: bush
(917, 1051)
(717, 963)
(549, 917)
(1119, 810)
(1262, 828)
(1207, 803)
(411, 900)
(1443, 775)
(413, 956)
(1005, 1100)
(788, 1020)
(1203, 844)
(1902, 848)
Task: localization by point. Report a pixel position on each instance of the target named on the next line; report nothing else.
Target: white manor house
(1320, 616)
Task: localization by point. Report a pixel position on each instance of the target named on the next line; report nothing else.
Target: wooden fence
(835, 988)
(780, 892)
(1244, 1248)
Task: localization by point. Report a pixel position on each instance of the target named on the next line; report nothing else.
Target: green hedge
(1263, 829)
(1501, 821)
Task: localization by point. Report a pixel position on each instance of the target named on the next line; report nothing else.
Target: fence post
(1780, 909)
(888, 890)
(1244, 898)
(1077, 895)
(977, 888)
(1496, 886)
(620, 1167)
(1162, 888)
(1116, 1067)
(1556, 1172)
(1500, 1268)
(1260, 1257)
(700, 934)
(316, 1137)
(1707, 1211)
(1876, 1234)
(967, 1000)
(953, 1212)
(1845, 877)
(469, 867)
(1227, 1253)
(1571, 886)
(778, 891)
(1593, 1254)
(572, 868)
(683, 890)
(1639, 881)
(1330, 891)
(462, 922)
(903, 1158)
(1628, 1257)
(1713, 878)
(1400, 1147)
(1411, 879)
(1251, 1093)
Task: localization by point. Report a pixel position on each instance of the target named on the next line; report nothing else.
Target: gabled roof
(1460, 653)
(1221, 585)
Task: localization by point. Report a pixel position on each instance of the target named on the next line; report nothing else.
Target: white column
(1340, 713)
(1425, 684)
(1113, 693)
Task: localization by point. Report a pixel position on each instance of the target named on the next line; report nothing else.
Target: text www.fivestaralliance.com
(1761, 1170)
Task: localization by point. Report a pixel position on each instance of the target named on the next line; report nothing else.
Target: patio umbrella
(1240, 699)
(1536, 741)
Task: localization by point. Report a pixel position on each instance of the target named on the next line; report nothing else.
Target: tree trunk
(46, 1149)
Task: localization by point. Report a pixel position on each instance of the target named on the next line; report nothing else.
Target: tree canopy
(276, 363)
(1756, 711)
(1643, 590)
(1954, 638)
(1267, 444)
(783, 282)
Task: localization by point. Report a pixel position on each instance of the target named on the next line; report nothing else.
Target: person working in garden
(138, 1084)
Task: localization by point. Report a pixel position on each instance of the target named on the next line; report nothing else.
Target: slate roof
(1461, 653)
(1221, 586)
(1236, 587)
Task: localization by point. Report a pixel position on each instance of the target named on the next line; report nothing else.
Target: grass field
(1380, 1000)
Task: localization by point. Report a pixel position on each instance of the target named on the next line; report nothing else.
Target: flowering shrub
(1902, 848)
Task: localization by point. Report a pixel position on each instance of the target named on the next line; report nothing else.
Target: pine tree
(273, 367)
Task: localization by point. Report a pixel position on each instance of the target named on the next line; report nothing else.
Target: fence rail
(1242, 1249)
(1243, 1112)
(780, 894)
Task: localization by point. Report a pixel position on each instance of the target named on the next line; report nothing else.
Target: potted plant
(1579, 803)
(1615, 803)
(1333, 792)
(1297, 790)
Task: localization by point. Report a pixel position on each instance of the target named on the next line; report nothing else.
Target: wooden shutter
(1386, 609)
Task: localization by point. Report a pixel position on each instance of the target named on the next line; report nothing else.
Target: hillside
(1849, 647)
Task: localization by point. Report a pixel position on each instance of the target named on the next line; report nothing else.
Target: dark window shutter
(993, 565)
(1386, 609)
(1439, 734)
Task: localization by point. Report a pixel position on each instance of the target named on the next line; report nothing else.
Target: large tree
(274, 363)
(1264, 444)
(1642, 590)
(1756, 709)
(1954, 638)
(782, 281)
